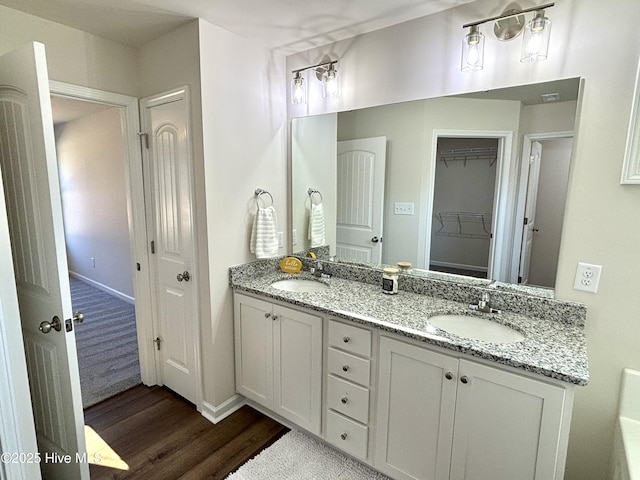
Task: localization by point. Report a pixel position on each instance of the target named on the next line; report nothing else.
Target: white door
(361, 172)
(30, 175)
(168, 166)
(530, 211)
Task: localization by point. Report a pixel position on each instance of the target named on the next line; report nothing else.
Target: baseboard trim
(104, 288)
(217, 413)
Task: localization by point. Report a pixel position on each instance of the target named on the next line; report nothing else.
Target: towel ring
(311, 191)
(259, 192)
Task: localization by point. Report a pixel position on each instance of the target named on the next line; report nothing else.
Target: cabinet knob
(464, 379)
(345, 368)
(274, 318)
(448, 375)
(346, 339)
(267, 315)
(344, 400)
(343, 436)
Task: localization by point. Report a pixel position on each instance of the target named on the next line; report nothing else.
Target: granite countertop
(551, 348)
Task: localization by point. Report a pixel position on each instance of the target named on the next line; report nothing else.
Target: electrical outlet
(402, 208)
(280, 239)
(587, 277)
(294, 236)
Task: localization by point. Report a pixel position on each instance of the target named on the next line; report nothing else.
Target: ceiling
(288, 26)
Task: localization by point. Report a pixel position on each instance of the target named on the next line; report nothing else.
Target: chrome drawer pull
(343, 436)
(344, 400)
(345, 368)
(346, 339)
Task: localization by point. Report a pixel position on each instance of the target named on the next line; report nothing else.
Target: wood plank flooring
(162, 436)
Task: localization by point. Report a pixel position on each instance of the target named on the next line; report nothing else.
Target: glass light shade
(330, 83)
(535, 44)
(472, 58)
(298, 90)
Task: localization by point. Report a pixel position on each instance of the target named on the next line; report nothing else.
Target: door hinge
(153, 246)
(158, 341)
(519, 279)
(145, 138)
(526, 221)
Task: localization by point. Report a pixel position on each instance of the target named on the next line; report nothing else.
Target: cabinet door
(298, 367)
(507, 426)
(253, 334)
(416, 405)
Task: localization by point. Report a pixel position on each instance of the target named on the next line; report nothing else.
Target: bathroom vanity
(367, 372)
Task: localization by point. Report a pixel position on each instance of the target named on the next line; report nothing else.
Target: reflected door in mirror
(361, 171)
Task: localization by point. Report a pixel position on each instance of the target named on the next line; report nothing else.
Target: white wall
(91, 164)
(313, 154)
(374, 73)
(243, 120)
(73, 56)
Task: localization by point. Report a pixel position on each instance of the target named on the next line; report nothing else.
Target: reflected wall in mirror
(473, 184)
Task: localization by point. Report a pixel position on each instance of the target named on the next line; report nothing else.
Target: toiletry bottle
(390, 280)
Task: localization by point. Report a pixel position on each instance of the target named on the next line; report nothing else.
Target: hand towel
(316, 225)
(264, 235)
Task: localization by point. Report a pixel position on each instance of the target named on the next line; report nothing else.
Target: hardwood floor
(159, 435)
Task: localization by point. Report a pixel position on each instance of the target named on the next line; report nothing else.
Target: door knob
(183, 276)
(78, 317)
(375, 240)
(55, 323)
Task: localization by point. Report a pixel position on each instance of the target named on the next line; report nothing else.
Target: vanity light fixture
(472, 50)
(325, 72)
(508, 26)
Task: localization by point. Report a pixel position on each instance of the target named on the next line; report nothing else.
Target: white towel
(264, 235)
(316, 225)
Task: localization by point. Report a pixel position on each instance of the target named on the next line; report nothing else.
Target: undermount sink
(478, 328)
(302, 285)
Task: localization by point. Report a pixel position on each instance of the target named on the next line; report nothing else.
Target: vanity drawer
(348, 398)
(352, 339)
(346, 434)
(348, 366)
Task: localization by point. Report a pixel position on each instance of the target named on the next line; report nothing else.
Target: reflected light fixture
(509, 25)
(325, 72)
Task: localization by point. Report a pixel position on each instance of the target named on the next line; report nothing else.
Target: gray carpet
(106, 342)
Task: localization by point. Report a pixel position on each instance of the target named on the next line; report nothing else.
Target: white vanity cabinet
(278, 356)
(440, 417)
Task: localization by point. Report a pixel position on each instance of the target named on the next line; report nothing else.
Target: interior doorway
(543, 197)
(91, 153)
(463, 205)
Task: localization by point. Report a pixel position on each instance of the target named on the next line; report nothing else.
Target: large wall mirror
(471, 185)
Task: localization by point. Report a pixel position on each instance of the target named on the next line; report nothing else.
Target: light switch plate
(294, 237)
(587, 277)
(280, 239)
(402, 208)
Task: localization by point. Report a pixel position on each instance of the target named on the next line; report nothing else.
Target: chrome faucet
(484, 304)
(318, 271)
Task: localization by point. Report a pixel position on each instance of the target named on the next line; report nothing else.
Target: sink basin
(478, 328)
(294, 285)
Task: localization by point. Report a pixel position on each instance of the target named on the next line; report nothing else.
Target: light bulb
(330, 83)
(298, 90)
(472, 51)
(535, 43)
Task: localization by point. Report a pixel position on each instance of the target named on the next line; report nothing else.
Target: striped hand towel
(316, 225)
(264, 236)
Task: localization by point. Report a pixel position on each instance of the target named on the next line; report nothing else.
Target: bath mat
(299, 457)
